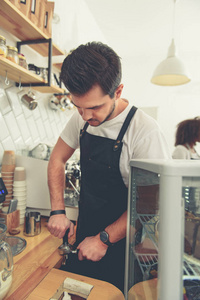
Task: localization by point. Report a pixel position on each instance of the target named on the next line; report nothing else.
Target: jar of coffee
(12, 54)
(3, 48)
(22, 61)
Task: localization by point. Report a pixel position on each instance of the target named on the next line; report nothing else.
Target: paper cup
(7, 168)
(19, 189)
(8, 158)
(19, 193)
(19, 183)
(19, 174)
(21, 203)
(21, 198)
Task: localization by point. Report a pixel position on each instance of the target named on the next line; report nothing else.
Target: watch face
(104, 236)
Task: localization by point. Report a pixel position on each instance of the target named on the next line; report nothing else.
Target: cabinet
(163, 238)
(20, 26)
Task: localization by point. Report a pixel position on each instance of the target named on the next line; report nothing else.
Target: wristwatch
(104, 237)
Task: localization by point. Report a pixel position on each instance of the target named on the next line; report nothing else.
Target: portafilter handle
(65, 249)
(65, 237)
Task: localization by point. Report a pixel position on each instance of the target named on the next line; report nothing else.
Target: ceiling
(131, 27)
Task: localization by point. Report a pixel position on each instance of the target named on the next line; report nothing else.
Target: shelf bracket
(38, 41)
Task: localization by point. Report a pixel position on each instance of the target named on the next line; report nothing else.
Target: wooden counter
(101, 291)
(34, 275)
(34, 262)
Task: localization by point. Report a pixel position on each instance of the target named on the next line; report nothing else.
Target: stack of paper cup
(19, 191)
(7, 173)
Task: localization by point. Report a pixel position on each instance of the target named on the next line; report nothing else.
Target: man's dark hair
(92, 64)
(188, 132)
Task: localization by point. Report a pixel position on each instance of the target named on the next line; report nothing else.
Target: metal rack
(16, 23)
(39, 41)
(148, 260)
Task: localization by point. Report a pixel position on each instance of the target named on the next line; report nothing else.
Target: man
(109, 133)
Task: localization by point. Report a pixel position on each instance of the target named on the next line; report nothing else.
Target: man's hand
(92, 248)
(58, 224)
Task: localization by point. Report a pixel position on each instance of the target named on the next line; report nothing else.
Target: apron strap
(84, 129)
(122, 131)
(124, 128)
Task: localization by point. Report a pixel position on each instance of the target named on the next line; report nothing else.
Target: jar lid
(2, 38)
(21, 56)
(12, 48)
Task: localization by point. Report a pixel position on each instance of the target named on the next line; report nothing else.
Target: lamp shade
(170, 71)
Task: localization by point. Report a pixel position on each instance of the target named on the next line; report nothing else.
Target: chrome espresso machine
(72, 183)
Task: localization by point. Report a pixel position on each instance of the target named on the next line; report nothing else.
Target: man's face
(95, 107)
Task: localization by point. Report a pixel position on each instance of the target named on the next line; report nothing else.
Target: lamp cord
(173, 18)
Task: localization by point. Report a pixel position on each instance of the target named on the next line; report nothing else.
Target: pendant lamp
(171, 71)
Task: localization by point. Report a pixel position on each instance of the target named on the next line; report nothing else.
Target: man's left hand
(92, 248)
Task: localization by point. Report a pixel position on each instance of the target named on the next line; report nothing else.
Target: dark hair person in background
(109, 132)
(187, 135)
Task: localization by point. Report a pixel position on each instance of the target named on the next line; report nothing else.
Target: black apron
(103, 199)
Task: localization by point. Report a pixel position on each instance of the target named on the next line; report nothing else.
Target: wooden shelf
(20, 74)
(20, 26)
(58, 66)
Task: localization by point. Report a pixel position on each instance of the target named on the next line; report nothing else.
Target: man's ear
(118, 91)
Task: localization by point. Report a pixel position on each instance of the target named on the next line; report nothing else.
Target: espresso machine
(72, 183)
(71, 198)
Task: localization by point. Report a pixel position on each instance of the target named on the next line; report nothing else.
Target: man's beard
(107, 117)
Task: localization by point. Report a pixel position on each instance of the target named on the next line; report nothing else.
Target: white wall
(78, 24)
(141, 31)
(174, 103)
(19, 126)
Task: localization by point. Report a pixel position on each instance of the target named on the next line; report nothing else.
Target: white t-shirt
(143, 138)
(181, 152)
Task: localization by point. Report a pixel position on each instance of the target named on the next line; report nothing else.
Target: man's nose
(85, 113)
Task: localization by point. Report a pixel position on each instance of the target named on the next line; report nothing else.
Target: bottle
(22, 61)
(12, 54)
(3, 48)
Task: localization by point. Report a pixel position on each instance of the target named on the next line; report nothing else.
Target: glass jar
(22, 61)
(6, 263)
(44, 74)
(3, 48)
(12, 54)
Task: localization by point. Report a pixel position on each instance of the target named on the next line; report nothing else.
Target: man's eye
(96, 107)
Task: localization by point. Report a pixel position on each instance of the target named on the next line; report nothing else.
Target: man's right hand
(58, 224)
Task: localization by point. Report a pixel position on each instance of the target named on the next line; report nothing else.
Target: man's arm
(58, 224)
(92, 248)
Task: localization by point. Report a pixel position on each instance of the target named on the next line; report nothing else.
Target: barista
(187, 136)
(109, 132)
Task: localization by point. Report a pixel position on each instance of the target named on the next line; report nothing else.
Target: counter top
(101, 291)
(35, 275)
(34, 262)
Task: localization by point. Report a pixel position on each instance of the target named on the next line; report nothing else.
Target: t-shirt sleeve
(180, 153)
(71, 133)
(146, 138)
(152, 146)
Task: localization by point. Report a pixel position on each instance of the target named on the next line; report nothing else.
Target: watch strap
(57, 212)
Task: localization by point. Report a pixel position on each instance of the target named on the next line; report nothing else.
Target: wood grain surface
(101, 291)
(34, 262)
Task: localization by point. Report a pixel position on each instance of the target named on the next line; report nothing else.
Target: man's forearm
(56, 183)
(117, 230)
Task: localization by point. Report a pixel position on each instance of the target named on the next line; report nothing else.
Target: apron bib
(103, 199)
